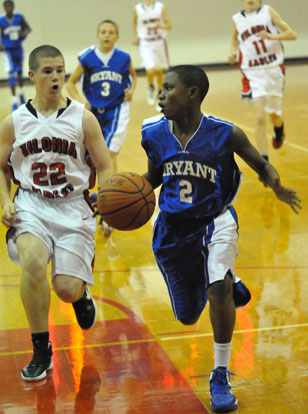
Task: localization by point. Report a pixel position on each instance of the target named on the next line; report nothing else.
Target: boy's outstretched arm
(242, 147)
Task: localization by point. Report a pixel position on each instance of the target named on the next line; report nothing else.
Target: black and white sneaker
(85, 310)
(278, 137)
(41, 362)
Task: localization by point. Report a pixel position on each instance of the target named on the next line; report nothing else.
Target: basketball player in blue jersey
(108, 83)
(14, 29)
(195, 235)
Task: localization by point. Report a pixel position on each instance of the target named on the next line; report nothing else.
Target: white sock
(14, 99)
(222, 354)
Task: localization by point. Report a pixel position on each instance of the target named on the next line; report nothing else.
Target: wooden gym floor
(138, 358)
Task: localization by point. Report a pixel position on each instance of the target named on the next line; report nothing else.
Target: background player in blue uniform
(14, 30)
(108, 82)
(195, 235)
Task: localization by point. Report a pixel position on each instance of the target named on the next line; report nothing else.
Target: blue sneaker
(241, 294)
(222, 399)
(14, 107)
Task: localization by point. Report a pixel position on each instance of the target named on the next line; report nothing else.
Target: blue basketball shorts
(13, 59)
(113, 123)
(201, 258)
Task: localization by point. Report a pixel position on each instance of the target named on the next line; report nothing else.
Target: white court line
(251, 130)
(270, 328)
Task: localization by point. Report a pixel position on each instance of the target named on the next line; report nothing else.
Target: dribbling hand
(101, 223)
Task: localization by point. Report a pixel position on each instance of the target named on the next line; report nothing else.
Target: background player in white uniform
(150, 23)
(45, 144)
(257, 34)
(108, 83)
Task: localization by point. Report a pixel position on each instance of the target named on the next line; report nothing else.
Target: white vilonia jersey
(147, 19)
(256, 52)
(49, 154)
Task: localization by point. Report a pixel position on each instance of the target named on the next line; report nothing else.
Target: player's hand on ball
(105, 227)
(101, 224)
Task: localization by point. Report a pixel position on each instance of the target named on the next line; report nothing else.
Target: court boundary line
(163, 339)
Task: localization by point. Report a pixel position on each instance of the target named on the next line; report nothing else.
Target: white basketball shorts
(154, 54)
(67, 228)
(266, 84)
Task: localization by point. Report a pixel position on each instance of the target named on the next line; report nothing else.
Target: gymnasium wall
(201, 31)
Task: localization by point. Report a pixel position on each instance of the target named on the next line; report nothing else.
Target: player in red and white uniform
(150, 25)
(257, 34)
(46, 143)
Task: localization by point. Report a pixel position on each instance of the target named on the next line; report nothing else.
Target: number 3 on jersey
(105, 89)
(185, 191)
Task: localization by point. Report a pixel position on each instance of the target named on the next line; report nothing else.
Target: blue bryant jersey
(10, 31)
(104, 84)
(200, 179)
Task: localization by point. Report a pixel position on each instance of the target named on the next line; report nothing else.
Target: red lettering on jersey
(65, 146)
(72, 150)
(254, 30)
(24, 150)
(67, 189)
(56, 145)
(35, 147)
(36, 190)
(29, 147)
(46, 144)
(265, 60)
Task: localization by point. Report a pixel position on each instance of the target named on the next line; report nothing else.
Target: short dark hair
(109, 21)
(192, 75)
(42, 52)
(8, 1)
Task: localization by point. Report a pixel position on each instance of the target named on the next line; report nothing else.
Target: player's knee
(67, 288)
(151, 71)
(261, 118)
(220, 292)
(33, 268)
(189, 321)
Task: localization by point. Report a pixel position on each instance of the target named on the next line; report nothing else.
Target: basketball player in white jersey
(257, 34)
(45, 144)
(150, 25)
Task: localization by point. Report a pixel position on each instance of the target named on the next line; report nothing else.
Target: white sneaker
(151, 92)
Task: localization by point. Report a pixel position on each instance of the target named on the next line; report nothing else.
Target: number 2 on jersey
(185, 191)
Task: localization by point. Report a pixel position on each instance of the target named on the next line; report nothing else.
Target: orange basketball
(126, 201)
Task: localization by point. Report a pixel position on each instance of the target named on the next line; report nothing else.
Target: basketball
(126, 201)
